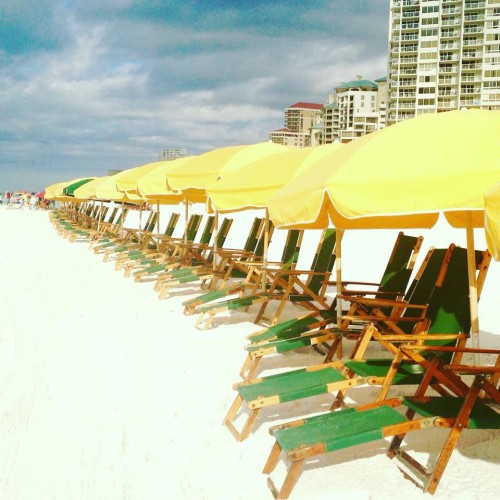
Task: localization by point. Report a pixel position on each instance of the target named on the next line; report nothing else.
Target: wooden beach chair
(458, 406)
(313, 329)
(286, 284)
(448, 313)
(198, 264)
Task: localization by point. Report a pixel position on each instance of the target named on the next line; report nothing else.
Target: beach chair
(128, 235)
(172, 250)
(95, 228)
(197, 265)
(312, 329)
(447, 313)
(133, 240)
(286, 285)
(108, 230)
(204, 273)
(458, 406)
(154, 246)
(231, 270)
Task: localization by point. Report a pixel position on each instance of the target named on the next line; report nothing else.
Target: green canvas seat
(463, 406)
(454, 321)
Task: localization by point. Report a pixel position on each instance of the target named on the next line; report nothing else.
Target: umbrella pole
(471, 269)
(264, 255)
(140, 222)
(216, 236)
(121, 219)
(186, 215)
(338, 269)
(100, 215)
(158, 224)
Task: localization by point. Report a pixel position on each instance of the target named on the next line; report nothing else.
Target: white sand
(108, 393)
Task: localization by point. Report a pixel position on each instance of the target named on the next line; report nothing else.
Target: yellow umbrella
(153, 185)
(251, 185)
(198, 172)
(403, 176)
(88, 190)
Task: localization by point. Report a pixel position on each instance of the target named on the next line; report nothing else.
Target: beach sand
(108, 393)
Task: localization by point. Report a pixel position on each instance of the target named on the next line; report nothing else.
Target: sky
(88, 86)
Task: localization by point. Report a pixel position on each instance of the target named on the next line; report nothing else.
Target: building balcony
(474, 5)
(473, 17)
(449, 69)
(474, 29)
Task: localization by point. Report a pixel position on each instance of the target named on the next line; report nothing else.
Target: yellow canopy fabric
(401, 176)
(88, 190)
(50, 191)
(107, 190)
(492, 220)
(199, 172)
(56, 191)
(126, 181)
(153, 185)
(251, 185)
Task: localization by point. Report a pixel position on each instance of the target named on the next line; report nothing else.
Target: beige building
(443, 55)
(170, 154)
(354, 109)
(300, 118)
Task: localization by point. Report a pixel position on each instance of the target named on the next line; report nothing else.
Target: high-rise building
(299, 119)
(443, 55)
(172, 154)
(354, 109)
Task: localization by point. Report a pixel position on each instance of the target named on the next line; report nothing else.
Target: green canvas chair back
(259, 247)
(103, 213)
(401, 263)
(420, 291)
(223, 232)
(112, 217)
(292, 248)
(122, 216)
(206, 235)
(149, 227)
(322, 264)
(172, 223)
(449, 308)
(253, 235)
(193, 226)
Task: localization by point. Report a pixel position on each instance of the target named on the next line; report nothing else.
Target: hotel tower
(443, 55)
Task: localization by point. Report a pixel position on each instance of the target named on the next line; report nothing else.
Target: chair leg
(273, 458)
(247, 427)
(290, 481)
(453, 437)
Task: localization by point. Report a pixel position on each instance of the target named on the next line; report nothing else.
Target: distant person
(7, 197)
(33, 202)
(1, 202)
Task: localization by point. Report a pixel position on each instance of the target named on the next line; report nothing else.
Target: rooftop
(306, 105)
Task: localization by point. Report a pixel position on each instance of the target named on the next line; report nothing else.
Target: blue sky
(92, 85)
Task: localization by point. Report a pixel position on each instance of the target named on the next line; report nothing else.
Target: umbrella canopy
(107, 190)
(406, 174)
(88, 190)
(153, 185)
(126, 181)
(196, 174)
(57, 191)
(252, 184)
(69, 190)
